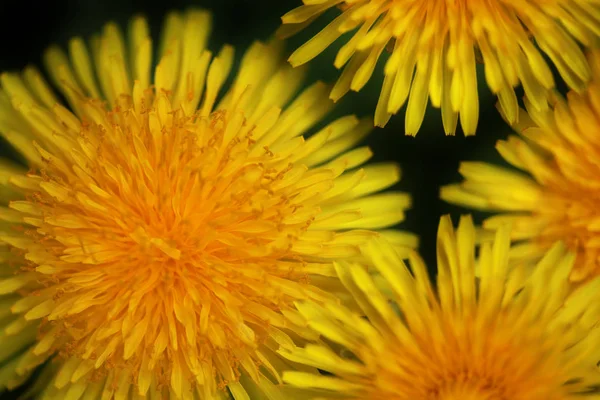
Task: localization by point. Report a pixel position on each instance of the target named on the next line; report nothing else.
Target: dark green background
(428, 161)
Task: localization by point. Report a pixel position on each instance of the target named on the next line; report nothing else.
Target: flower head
(508, 335)
(435, 44)
(160, 238)
(558, 197)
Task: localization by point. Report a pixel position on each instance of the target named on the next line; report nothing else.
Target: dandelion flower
(557, 198)
(507, 336)
(156, 245)
(435, 45)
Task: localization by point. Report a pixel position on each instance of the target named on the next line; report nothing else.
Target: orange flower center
(470, 360)
(165, 239)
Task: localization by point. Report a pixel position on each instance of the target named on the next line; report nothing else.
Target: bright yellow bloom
(158, 242)
(560, 199)
(439, 42)
(506, 335)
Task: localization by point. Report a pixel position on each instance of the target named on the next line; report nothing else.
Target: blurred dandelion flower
(508, 335)
(156, 246)
(435, 44)
(559, 199)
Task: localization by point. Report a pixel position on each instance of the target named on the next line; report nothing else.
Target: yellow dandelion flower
(557, 198)
(435, 45)
(507, 335)
(156, 245)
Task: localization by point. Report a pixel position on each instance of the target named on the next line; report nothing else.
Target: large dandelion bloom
(559, 198)
(508, 335)
(435, 45)
(156, 245)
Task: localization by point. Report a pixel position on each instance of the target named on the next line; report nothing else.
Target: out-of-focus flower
(435, 45)
(559, 196)
(158, 242)
(504, 335)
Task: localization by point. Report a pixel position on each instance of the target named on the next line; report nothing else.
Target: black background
(428, 161)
